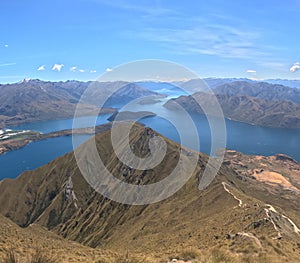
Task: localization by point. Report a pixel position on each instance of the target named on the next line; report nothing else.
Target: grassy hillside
(26, 243)
(238, 218)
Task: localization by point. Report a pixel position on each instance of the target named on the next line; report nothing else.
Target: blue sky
(81, 39)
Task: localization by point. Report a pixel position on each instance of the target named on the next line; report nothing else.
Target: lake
(35, 155)
(242, 137)
(57, 125)
(41, 152)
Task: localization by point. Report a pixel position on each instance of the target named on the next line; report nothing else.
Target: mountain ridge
(252, 110)
(56, 196)
(261, 90)
(36, 100)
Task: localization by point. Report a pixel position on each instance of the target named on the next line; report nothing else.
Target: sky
(81, 39)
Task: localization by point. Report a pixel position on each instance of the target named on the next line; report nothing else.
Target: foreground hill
(246, 217)
(279, 114)
(37, 242)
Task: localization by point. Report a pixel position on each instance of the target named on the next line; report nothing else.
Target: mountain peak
(239, 210)
(25, 80)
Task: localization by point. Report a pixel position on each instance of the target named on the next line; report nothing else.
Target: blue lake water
(39, 153)
(35, 155)
(57, 125)
(240, 136)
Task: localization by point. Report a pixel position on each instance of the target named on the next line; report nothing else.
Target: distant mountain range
(280, 114)
(215, 82)
(35, 100)
(197, 85)
(256, 103)
(246, 210)
(127, 93)
(286, 82)
(261, 90)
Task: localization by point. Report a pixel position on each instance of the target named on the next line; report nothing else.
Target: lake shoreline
(18, 142)
(15, 144)
(10, 123)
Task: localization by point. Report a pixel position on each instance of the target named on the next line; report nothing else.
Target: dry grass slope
(230, 221)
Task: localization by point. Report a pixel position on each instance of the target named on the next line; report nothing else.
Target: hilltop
(245, 216)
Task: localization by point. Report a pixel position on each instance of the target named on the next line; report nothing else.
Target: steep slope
(282, 114)
(116, 93)
(128, 93)
(234, 213)
(262, 90)
(276, 90)
(24, 243)
(35, 100)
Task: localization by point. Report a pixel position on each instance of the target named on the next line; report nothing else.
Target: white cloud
(76, 69)
(41, 68)
(207, 38)
(6, 46)
(93, 71)
(73, 69)
(58, 67)
(152, 10)
(7, 64)
(295, 67)
(251, 71)
(109, 70)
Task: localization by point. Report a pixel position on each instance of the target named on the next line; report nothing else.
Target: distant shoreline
(8, 124)
(18, 143)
